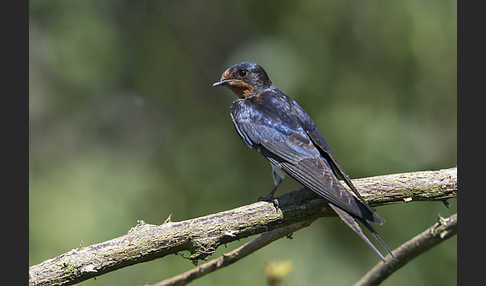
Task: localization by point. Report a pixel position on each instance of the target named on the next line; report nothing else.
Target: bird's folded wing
(321, 144)
(296, 154)
(318, 178)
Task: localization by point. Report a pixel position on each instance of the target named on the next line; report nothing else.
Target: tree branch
(201, 236)
(432, 236)
(233, 256)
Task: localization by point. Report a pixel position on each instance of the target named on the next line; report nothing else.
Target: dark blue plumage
(276, 126)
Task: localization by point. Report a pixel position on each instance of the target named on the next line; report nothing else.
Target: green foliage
(125, 126)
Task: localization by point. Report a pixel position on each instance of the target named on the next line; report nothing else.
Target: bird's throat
(241, 88)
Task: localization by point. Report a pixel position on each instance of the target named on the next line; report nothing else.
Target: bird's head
(244, 79)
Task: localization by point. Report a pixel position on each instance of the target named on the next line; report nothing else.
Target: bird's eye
(242, 73)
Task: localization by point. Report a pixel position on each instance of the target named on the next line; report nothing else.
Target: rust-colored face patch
(241, 88)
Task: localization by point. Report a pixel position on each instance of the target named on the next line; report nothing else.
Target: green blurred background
(125, 126)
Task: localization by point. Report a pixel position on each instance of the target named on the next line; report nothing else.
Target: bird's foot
(269, 198)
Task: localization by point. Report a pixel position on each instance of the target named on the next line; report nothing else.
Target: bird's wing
(295, 153)
(321, 144)
(316, 176)
(243, 136)
(300, 155)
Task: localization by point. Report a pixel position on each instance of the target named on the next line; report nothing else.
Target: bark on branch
(201, 236)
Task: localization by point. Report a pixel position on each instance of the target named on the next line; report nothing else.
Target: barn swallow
(276, 126)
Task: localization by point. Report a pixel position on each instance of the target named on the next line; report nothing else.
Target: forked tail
(351, 222)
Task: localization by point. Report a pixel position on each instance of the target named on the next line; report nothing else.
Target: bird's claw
(269, 198)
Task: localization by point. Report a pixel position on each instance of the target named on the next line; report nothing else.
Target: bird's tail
(351, 222)
(377, 236)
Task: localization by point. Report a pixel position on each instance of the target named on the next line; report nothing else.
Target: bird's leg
(278, 176)
(269, 196)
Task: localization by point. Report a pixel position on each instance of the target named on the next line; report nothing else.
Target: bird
(276, 126)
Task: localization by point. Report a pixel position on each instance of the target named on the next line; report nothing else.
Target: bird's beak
(223, 82)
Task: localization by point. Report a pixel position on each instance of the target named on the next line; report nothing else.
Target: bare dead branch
(439, 232)
(201, 236)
